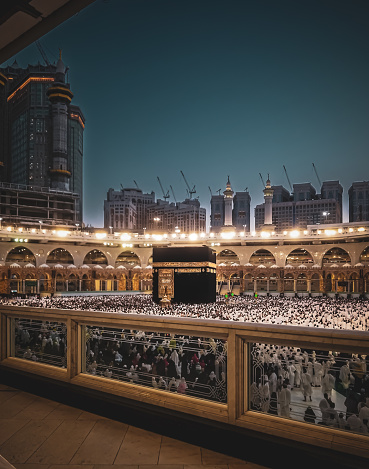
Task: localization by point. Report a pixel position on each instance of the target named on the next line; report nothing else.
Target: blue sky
(217, 88)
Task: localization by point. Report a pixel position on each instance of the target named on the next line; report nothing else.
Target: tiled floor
(37, 433)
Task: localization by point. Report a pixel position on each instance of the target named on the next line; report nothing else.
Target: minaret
(228, 204)
(268, 197)
(60, 97)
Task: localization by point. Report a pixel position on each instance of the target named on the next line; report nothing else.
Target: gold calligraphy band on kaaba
(184, 264)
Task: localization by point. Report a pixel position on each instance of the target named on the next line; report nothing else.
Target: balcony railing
(262, 377)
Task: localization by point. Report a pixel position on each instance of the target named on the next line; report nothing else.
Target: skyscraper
(41, 144)
(359, 201)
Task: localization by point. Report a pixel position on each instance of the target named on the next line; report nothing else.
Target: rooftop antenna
(219, 191)
(316, 172)
(165, 195)
(246, 189)
(121, 185)
(288, 179)
(190, 191)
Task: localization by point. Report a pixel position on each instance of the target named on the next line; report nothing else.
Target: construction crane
(42, 52)
(262, 180)
(136, 184)
(211, 194)
(190, 191)
(316, 172)
(174, 197)
(288, 179)
(165, 195)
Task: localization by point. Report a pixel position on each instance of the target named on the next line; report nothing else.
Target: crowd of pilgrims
(303, 311)
(280, 374)
(184, 364)
(40, 341)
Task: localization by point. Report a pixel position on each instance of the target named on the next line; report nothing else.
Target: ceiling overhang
(24, 21)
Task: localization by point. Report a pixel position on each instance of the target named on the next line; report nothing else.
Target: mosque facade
(316, 262)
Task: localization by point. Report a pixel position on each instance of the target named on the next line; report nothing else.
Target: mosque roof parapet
(321, 234)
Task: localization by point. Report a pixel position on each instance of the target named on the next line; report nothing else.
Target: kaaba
(184, 275)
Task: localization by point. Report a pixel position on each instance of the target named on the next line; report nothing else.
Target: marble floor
(38, 433)
(298, 406)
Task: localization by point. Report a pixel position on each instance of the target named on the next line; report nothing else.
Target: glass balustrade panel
(327, 388)
(40, 341)
(188, 365)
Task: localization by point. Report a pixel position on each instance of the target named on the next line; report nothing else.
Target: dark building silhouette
(359, 201)
(41, 146)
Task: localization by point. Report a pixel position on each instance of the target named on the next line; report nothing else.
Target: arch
(315, 285)
(30, 284)
(289, 283)
(330, 282)
(15, 283)
(21, 255)
(263, 257)
(227, 257)
(364, 256)
(73, 282)
(86, 283)
(95, 257)
(59, 282)
(261, 282)
(59, 256)
(127, 259)
(335, 255)
(44, 282)
(341, 283)
(273, 282)
(299, 256)
(301, 283)
(248, 282)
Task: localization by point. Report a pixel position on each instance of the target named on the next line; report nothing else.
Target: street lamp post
(40, 222)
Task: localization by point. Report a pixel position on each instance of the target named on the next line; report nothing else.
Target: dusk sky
(217, 88)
